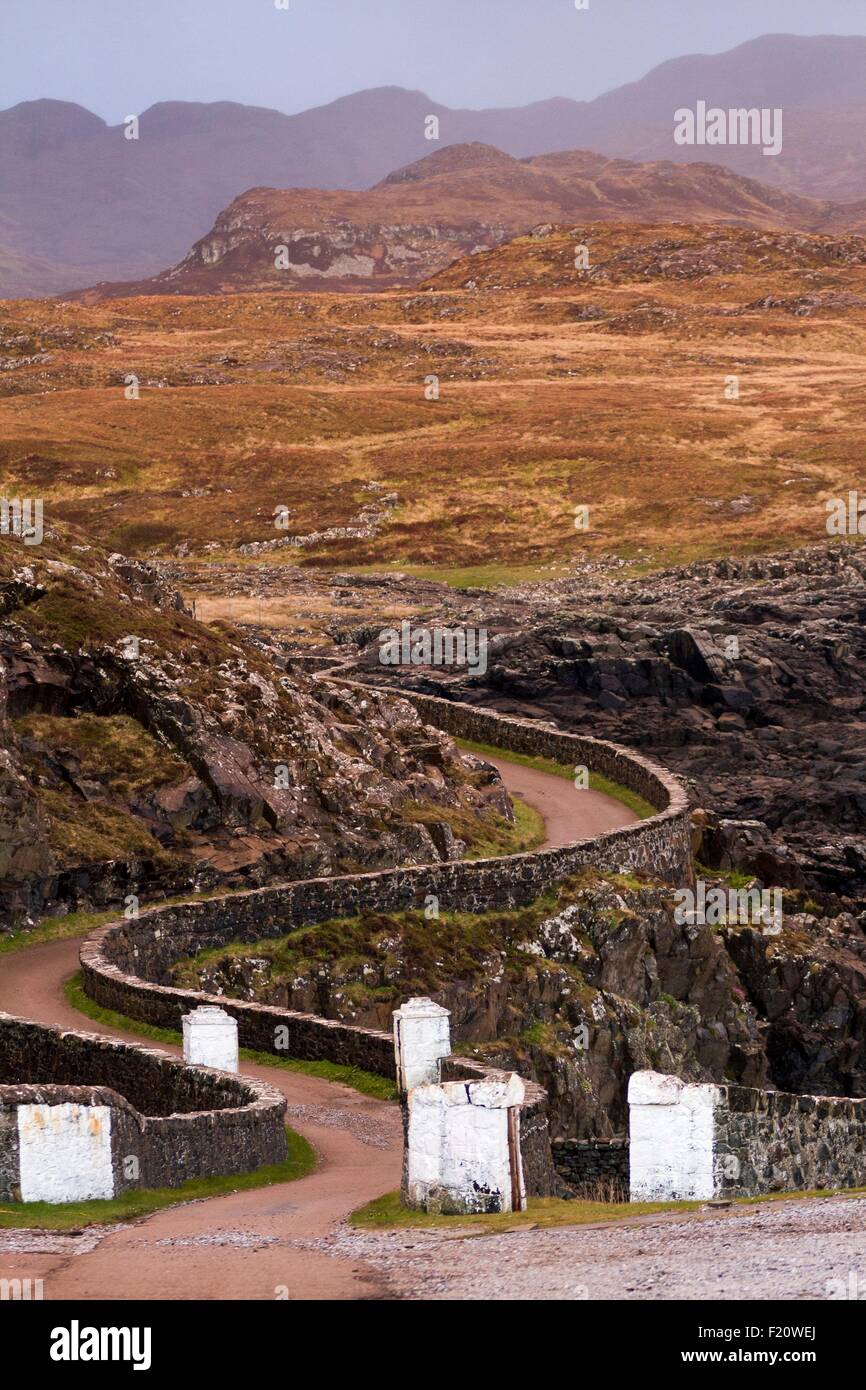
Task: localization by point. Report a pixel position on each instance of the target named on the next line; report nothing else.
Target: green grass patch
(367, 1082)
(56, 929)
(388, 1213)
(731, 877)
(490, 835)
(641, 807)
(131, 1206)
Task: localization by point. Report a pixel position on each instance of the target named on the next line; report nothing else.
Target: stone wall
(772, 1141)
(659, 846)
(593, 1168)
(127, 965)
(176, 1122)
(698, 1142)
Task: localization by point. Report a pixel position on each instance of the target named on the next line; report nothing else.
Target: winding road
(259, 1244)
(569, 814)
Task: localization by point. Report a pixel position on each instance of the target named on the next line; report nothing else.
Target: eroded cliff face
(248, 246)
(145, 752)
(809, 985)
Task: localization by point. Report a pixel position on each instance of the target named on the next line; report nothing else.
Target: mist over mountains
(80, 203)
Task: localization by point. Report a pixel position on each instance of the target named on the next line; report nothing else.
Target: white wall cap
(489, 1095)
(654, 1088)
(421, 1008)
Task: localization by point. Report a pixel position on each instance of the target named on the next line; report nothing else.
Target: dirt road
(237, 1246)
(569, 813)
(259, 1244)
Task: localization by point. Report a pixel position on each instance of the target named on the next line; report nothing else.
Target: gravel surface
(778, 1251)
(378, 1130)
(27, 1242)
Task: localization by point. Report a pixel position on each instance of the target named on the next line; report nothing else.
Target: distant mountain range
(81, 203)
(461, 199)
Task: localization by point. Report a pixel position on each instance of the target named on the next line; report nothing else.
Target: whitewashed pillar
(422, 1037)
(64, 1153)
(671, 1139)
(210, 1038)
(463, 1142)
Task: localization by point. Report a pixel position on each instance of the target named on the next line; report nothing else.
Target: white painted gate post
(671, 1139)
(422, 1037)
(210, 1038)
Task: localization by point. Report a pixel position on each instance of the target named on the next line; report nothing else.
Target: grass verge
(641, 807)
(73, 924)
(386, 1213)
(367, 1082)
(65, 1216)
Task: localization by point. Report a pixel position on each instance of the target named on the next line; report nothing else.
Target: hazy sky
(120, 56)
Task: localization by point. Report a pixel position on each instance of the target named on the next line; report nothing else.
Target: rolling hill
(459, 201)
(81, 199)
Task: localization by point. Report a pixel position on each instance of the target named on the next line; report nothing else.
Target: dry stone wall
(100, 1103)
(593, 1168)
(127, 965)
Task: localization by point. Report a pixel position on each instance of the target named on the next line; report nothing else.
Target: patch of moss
(91, 832)
(489, 835)
(114, 750)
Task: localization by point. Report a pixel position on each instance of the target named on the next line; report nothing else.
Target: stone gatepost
(210, 1038)
(422, 1037)
(463, 1147)
(65, 1153)
(671, 1139)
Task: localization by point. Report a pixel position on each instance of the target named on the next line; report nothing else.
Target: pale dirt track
(569, 813)
(237, 1246)
(251, 1244)
(807, 1249)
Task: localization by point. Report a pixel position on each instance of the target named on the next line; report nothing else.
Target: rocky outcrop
(744, 676)
(809, 984)
(145, 752)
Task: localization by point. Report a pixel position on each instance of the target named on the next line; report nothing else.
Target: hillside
(144, 752)
(458, 201)
(557, 387)
(129, 208)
